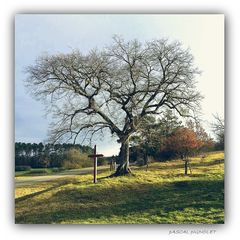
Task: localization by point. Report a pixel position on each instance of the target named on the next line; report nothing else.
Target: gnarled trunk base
(122, 170)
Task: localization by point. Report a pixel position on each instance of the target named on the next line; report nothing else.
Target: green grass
(163, 195)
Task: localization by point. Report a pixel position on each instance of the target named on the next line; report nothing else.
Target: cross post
(95, 156)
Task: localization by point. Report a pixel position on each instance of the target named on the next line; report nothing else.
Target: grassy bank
(163, 194)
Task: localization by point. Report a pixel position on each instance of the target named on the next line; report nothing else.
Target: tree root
(122, 170)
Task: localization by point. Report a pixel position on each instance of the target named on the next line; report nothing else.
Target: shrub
(87, 163)
(55, 169)
(140, 162)
(38, 171)
(22, 168)
(101, 162)
(73, 158)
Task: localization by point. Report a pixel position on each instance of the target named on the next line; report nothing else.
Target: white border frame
(232, 22)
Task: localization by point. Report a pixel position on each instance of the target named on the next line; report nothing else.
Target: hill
(160, 195)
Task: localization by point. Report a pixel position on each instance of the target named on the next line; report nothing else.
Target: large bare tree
(115, 89)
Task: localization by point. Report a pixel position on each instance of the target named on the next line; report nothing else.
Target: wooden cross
(95, 156)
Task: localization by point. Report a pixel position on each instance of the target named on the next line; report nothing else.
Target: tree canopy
(115, 88)
(183, 141)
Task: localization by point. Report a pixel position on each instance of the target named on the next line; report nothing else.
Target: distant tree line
(39, 155)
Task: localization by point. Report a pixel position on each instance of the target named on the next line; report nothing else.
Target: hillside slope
(162, 194)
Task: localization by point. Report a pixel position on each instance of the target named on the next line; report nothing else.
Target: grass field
(161, 195)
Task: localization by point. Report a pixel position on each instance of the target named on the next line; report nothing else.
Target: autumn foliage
(182, 142)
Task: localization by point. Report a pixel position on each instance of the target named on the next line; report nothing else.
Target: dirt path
(30, 180)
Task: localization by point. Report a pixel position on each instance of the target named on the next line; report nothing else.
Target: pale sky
(36, 34)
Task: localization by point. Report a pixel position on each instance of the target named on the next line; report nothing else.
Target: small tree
(183, 142)
(152, 133)
(206, 143)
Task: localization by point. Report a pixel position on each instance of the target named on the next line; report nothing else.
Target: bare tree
(218, 130)
(114, 89)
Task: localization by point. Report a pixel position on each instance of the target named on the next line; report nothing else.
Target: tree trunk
(186, 167)
(123, 168)
(146, 160)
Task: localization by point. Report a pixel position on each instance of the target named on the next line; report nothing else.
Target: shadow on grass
(164, 201)
(214, 162)
(193, 164)
(29, 196)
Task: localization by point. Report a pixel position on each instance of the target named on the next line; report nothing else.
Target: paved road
(29, 180)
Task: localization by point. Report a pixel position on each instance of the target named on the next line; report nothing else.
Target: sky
(36, 34)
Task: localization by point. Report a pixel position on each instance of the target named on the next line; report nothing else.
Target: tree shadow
(211, 163)
(192, 163)
(125, 200)
(28, 196)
